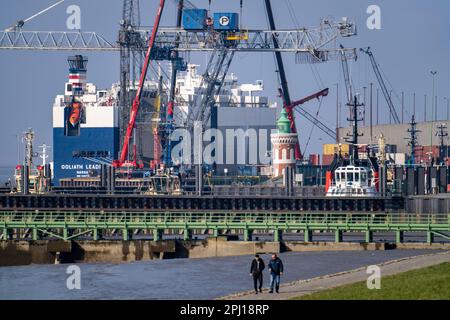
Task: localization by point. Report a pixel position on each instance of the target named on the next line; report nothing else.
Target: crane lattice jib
(346, 73)
(312, 45)
(323, 127)
(312, 41)
(384, 89)
(213, 77)
(136, 102)
(55, 40)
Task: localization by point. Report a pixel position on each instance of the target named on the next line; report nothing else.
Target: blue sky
(414, 40)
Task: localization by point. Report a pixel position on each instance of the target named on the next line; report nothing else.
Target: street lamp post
(433, 73)
(364, 110)
(448, 109)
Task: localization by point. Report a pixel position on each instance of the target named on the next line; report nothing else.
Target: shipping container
(327, 159)
(331, 149)
(194, 19)
(363, 148)
(226, 21)
(314, 159)
(424, 151)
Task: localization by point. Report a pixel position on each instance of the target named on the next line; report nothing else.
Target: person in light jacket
(276, 270)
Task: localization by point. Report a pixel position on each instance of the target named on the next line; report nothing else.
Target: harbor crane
(307, 44)
(382, 84)
(297, 106)
(347, 79)
(316, 56)
(122, 161)
(131, 58)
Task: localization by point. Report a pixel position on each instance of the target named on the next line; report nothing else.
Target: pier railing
(72, 224)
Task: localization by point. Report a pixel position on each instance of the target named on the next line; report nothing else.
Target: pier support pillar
(215, 232)
(157, 234)
(369, 236)
(187, 234)
(126, 234)
(277, 235)
(430, 237)
(34, 234)
(308, 235)
(97, 234)
(399, 236)
(338, 236)
(248, 234)
(65, 233)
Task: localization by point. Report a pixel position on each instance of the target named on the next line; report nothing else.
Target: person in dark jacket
(276, 270)
(256, 270)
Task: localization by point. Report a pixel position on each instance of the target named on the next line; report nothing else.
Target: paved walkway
(303, 287)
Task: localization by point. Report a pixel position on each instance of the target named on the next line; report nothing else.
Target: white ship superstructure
(237, 106)
(232, 94)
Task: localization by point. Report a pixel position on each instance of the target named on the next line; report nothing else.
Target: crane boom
(323, 127)
(346, 73)
(297, 107)
(316, 95)
(19, 24)
(386, 94)
(279, 59)
(284, 93)
(137, 99)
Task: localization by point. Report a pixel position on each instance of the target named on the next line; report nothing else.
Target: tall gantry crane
(137, 100)
(313, 55)
(129, 42)
(167, 117)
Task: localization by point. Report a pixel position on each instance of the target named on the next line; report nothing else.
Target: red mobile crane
(290, 112)
(284, 91)
(122, 161)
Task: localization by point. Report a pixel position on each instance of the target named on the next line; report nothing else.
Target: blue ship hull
(70, 152)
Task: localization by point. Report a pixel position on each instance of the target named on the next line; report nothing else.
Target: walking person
(276, 270)
(256, 270)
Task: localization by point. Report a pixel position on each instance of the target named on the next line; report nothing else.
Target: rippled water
(175, 279)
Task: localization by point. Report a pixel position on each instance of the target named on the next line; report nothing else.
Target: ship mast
(352, 137)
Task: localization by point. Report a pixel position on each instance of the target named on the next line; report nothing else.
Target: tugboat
(352, 181)
(354, 177)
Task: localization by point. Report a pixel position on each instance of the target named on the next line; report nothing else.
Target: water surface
(175, 279)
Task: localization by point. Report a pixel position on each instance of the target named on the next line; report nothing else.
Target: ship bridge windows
(352, 176)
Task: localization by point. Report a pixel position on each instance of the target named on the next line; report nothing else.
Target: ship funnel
(77, 74)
